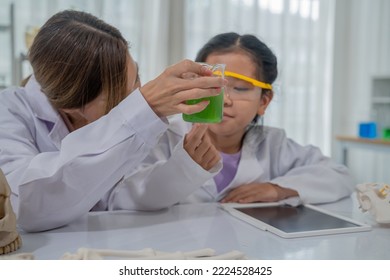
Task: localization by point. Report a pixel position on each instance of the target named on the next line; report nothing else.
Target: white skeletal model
(150, 254)
(375, 198)
(9, 237)
(145, 254)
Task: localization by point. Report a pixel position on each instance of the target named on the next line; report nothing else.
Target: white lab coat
(169, 175)
(57, 176)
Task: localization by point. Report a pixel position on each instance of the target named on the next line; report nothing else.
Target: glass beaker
(213, 113)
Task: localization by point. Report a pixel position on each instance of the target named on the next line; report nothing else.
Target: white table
(197, 226)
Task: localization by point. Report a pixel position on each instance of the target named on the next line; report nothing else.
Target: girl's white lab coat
(57, 176)
(266, 157)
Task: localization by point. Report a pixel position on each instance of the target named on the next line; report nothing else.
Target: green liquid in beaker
(211, 114)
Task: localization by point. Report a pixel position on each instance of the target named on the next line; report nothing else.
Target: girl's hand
(258, 192)
(198, 145)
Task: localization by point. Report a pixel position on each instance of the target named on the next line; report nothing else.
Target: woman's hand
(198, 145)
(167, 93)
(258, 192)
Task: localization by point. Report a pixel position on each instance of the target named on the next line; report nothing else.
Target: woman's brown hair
(76, 56)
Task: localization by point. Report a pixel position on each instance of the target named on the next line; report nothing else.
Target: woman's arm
(54, 188)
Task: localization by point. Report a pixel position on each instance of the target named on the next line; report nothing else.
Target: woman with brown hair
(83, 121)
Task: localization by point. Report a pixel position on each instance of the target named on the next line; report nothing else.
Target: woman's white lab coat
(57, 176)
(169, 175)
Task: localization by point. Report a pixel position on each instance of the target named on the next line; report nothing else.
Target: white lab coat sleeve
(305, 169)
(165, 178)
(54, 188)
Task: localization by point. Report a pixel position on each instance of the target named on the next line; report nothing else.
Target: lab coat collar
(248, 161)
(45, 111)
(39, 103)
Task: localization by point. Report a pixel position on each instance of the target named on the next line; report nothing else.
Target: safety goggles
(241, 87)
(254, 82)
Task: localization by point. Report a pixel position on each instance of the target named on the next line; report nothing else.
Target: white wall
(362, 50)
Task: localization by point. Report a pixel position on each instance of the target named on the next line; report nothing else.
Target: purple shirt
(229, 170)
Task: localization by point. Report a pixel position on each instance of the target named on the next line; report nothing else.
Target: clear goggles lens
(242, 87)
(254, 82)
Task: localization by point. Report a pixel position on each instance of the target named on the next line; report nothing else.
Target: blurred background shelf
(346, 143)
(17, 62)
(9, 30)
(380, 102)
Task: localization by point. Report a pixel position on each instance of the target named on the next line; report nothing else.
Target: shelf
(381, 146)
(4, 28)
(381, 87)
(381, 100)
(9, 28)
(374, 141)
(380, 76)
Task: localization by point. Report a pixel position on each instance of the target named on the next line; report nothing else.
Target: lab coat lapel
(44, 111)
(210, 188)
(249, 168)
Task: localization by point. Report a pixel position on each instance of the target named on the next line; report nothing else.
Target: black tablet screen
(296, 219)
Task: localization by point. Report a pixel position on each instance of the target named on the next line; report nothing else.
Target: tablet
(293, 221)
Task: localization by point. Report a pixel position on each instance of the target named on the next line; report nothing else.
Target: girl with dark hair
(83, 121)
(260, 164)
